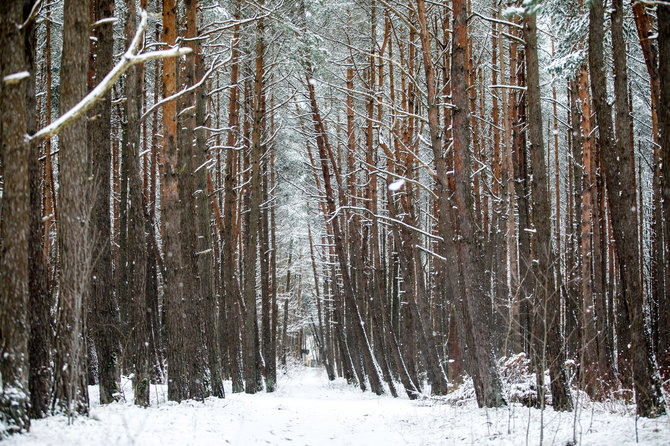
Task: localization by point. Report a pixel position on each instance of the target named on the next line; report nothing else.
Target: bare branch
(129, 59)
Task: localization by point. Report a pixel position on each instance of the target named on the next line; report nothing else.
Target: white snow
(105, 21)
(307, 409)
(397, 185)
(15, 78)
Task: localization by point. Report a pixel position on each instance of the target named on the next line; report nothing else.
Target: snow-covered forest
(334, 221)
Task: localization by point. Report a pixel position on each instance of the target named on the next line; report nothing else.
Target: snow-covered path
(309, 410)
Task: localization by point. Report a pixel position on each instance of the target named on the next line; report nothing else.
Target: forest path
(307, 409)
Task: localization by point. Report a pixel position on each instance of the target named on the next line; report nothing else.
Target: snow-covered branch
(129, 59)
(33, 14)
(194, 87)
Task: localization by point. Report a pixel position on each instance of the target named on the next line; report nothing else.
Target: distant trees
(444, 230)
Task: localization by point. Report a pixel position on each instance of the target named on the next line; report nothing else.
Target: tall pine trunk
(664, 125)
(621, 199)
(14, 233)
(475, 309)
(137, 254)
(104, 323)
(40, 298)
(70, 392)
(549, 351)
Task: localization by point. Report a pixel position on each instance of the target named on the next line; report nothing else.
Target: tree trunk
(40, 299)
(194, 347)
(70, 393)
(105, 318)
(177, 387)
(621, 199)
(547, 294)
(522, 192)
(137, 254)
(589, 354)
(232, 296)
(14, 226)
(475, 308)
(251, 238)
(664, 125)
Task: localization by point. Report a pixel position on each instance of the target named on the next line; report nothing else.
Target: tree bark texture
(549, 351)
(475, 308)
(105, 317)
(621, 199)
(70, 393)
(14, 229)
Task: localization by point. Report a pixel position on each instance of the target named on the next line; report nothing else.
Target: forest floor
(307, 409)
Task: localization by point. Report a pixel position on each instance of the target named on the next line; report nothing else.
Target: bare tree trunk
(271, 361)
(621, 199)
(105, 318)
(522, 192)
(251, 364)
(664, 125)
(205, 253)
(40, 299)
(14, 226)
(475, 309)
(70, 393)
(623, 144)
(573, 219)
(589, 344)
(137, 255)
(232, 295)
(177, 378)
(194, 347)
(266, 303)
(547, 294)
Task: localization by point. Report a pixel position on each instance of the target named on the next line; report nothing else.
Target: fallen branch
(129, 59)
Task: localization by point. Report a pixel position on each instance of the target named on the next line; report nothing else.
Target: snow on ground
(307, 409)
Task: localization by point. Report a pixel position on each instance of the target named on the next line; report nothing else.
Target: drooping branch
(129, 59)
